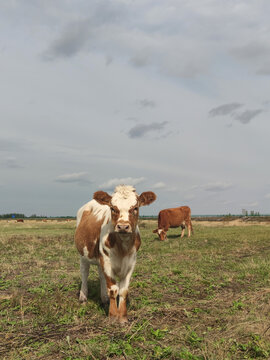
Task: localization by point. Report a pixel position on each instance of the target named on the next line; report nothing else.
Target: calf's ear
(102, 197)
(155, 231)
(147, 198)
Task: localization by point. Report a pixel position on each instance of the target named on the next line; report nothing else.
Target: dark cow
(107, 235)
(20, 220)
(172, 218)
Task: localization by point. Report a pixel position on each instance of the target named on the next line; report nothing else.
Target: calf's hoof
(123, 320)
(82, 298)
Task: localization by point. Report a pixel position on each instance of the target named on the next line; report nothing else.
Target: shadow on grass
(94, 293)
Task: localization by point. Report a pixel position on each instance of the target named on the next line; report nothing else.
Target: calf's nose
(124, 227)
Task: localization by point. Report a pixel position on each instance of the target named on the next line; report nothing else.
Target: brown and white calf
(172, 218)
(107, 235)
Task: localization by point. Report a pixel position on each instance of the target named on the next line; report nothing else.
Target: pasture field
(201, 298)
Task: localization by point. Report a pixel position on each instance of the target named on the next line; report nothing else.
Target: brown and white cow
(107, 235)
(172, 218)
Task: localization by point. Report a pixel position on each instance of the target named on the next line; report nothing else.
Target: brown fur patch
(137, 241)
(122, 311)
(87, 234)
(146, 198)
(102, 197)
(123, 247)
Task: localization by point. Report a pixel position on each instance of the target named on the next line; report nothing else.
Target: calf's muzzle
(123, 227)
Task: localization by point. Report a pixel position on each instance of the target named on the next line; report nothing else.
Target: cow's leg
(103, 287)
(190, 228)
(112, 291)
(183, 230)
(84, 268)
(129, 263)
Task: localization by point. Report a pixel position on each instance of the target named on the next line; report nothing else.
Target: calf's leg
(84, 268)
(103, 287)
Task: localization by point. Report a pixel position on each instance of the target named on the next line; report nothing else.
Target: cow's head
(124, 204)
(161, 233)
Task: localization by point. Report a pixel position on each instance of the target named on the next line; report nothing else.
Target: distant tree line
(12, 216)
(33, 216)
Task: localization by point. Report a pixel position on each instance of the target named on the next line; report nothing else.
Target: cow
(20, 220)
(172, 218)
(107, 235)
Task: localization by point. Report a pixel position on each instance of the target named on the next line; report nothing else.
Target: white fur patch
(85, 251)
(100, 211)
(124, 197)
(160, 231)
(115, 289)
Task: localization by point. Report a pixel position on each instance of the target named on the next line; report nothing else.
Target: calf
(171, 218)
(107, 235)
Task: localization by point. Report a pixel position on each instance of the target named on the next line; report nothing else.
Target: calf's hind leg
(84, 268)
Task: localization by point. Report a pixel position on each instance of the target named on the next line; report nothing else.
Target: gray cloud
(217, 186)
(110, 184)
(90, 32)
(147, 103)
(10, 145)
(246, 116)
(253, 50)
(225, 109)
(141, 59)
(140, 130)
(73, 39)
(254, 53)
(78, 178)
(12, 163)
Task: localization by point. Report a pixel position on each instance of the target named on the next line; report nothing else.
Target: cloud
(254, 53)
(11, 145)
(154, 39)
(12, 163)
(112, 183)
(230, 109)
(159, 185)
(144, 103)
(79, 178)
(73, 39)
(217, 186)
(267, 196)
(225, 109)
(246, 116)
(140, 130)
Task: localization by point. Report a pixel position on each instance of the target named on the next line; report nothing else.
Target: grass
(207, 297)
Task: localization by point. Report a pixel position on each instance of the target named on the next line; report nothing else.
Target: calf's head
(124, 204)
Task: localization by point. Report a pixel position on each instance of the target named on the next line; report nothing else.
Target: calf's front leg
(123, 288)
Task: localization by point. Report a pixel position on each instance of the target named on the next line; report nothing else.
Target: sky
(169, 96)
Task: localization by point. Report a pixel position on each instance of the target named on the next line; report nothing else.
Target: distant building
(244, 212)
